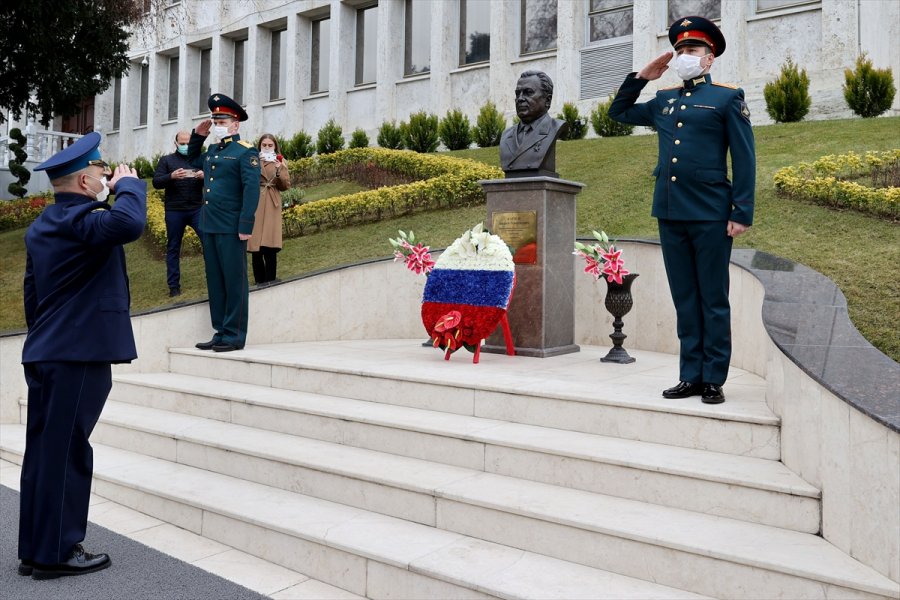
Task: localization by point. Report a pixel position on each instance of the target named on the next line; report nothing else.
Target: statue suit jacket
(76, 288)
(537, 150)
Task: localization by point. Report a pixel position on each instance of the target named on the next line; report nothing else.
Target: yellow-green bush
(833, 179)
(156, 225)
(443, 182)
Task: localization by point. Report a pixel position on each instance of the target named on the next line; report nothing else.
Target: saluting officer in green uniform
(699, 210)
(230, 194)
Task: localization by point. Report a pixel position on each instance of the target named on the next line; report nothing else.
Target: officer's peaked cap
(222, 105)
(73, 158)
(693, 31)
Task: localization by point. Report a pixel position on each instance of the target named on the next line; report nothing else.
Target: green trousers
(225, 256)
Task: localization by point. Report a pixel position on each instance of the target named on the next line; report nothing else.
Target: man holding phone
(183, 198)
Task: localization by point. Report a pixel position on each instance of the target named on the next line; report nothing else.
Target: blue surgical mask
(182, 148)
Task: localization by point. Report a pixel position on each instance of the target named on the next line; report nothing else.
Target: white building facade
(296, 64)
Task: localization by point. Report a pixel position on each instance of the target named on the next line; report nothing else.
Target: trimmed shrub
(421, 133)
(331, 138)
(359, 139)
(787, 97)
(156, 225)
(489, 126)
(154, 162)
(17, 164)
(390, 136)
(291, 197)
(21, 213)
(577, 127)
(606, 126)
(869, 91)
(299, 146)
(143, 167)
(455, 131)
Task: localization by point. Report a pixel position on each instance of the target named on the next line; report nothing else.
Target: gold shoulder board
(245, 143)
(728, 85)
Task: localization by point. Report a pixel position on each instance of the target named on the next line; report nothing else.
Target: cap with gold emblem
(222, 105)
(694, 31)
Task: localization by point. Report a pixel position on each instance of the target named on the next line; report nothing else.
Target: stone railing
(39, 146)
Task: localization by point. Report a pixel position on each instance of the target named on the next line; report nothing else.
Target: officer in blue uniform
(230, 195)
(699, 209)
(77, 311)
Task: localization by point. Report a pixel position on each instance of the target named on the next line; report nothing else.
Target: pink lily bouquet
(603, 258)
(417, 258)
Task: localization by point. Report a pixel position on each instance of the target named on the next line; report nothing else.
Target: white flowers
(477, 249)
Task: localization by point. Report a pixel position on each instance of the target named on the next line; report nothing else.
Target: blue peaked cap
(73, 158)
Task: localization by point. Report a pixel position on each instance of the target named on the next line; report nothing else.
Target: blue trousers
(225, 257)
(696, 255)
(64, 404)
(176, 222)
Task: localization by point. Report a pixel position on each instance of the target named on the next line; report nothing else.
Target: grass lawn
(860, 253)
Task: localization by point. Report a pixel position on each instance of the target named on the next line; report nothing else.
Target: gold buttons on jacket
(688, 94)
(674, 178)
(677, 142)
(208, 190)
(214, 167)
(681, 124)
(683, 107)
(212, 178)
(674, 160)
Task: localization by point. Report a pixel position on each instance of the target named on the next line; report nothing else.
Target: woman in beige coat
(265, 242)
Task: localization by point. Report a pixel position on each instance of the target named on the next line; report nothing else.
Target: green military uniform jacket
(698, 123)
(230, 184)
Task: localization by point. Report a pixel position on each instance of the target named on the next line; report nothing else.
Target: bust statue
(528, 148)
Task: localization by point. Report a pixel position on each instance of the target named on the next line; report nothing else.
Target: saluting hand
(204, 127)
(656, 67)
(121, 172)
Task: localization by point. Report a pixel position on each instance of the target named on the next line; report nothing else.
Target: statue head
(534, 90)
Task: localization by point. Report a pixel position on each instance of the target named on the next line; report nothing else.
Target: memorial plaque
(519, 231)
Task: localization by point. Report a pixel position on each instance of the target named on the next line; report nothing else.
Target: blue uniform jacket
(698, 123)
(230, 184)
(76, 287)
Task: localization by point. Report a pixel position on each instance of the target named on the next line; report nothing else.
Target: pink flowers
(602, 259)
(417, 258)
(613, 266)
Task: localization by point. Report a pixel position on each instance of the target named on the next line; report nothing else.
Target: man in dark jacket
(77, 312)
(183, 199)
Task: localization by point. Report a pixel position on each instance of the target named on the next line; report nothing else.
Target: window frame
(173, 88)
(144, 97)
(359, 78)
(462, 18)
(623, 4)
(203, 94)
(235, 76)
(315, 58)
(407, 41)
(669, 22)
(275, 75)
(117, 104)
(522, 31)
(786, 5)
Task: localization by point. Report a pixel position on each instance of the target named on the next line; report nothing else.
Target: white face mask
(687, 66)
(220, 131)
(103, 194)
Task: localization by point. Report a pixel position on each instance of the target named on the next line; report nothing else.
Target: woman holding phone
(265, 242)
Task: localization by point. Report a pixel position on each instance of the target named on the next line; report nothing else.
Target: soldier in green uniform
(699, 209)
(230, 194)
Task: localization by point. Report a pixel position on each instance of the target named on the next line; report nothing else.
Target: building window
(320, 57)
(474, 31)
(609, 19)
(203, 91)
(417, 57)
(237, 92)
(366, 44)
(277, 64)
(710, 9)
(173, 88)
(145, 94)
(538, 30)
(767, 5)
(117, 103)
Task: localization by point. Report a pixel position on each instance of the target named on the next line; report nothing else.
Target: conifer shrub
(787, 97)
(869, 91)
(359, 139)
(390, 136)
(577, 127)
(455, 131)
(421, 133)
(17, 164)
(606, 126)
(330, 138)
(489, 126)
(299, 146)
(143, 167)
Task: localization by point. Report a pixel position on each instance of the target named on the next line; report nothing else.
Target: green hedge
(156, 225)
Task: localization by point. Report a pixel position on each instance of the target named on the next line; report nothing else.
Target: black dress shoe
(207, 345)
(78, 563)
(222, 347)
(712, 394)
(26, 567)
(175, 291)
(683, 390)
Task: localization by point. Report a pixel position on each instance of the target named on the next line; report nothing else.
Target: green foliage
(156, 225)
(154, 162)
(17, 164)
(455, 131)
(421, 133)
(489, 126)
(869, 91)
(21, 213)
(330, 139)
(143, 167)
(359, 139)
(606, 126)
(577, 127)
(390, 135)
(787, 97)
(299, 146)
(291, 197)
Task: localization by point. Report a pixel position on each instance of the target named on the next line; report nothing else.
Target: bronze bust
(528, 148)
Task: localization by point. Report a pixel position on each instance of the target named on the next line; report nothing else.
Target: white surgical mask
(220, 131)
(103, 194)
(267, 156)
(687, 66)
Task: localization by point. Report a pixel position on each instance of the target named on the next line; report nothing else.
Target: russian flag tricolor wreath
(468, 292)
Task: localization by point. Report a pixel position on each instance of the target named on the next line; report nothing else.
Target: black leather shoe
(207, 345)
(175, 291)
(712, 394)
(79, 563)
(683, 390)
(222, 347)
(26, 567)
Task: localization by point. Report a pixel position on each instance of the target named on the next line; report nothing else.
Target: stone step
(747, 488)
(575, 392)
(668, 546)
(365, 553)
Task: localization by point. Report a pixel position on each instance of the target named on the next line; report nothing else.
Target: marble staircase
(378, 467)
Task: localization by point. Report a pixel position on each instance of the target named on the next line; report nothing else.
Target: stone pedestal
(542, 312)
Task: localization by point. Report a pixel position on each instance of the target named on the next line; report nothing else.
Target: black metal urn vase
(619, 302)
